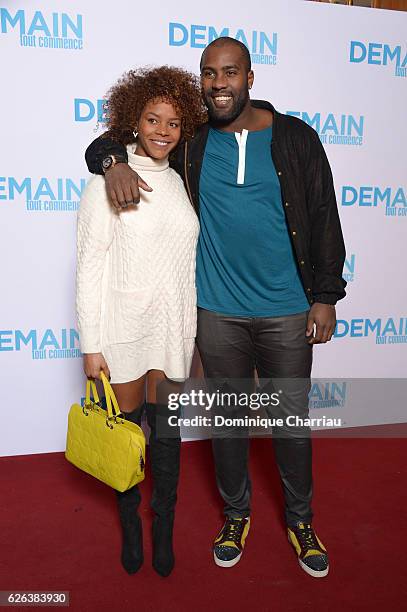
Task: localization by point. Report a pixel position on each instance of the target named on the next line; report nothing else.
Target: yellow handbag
(103, 444)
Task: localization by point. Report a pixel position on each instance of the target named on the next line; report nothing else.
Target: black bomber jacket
(307, 191)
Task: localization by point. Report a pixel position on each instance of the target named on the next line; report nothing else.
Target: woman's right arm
(95, 230)
(122, 183)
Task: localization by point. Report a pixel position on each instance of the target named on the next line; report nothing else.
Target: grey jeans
(233, 348)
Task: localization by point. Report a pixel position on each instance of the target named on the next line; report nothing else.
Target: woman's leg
(130, 397)
(165, 446)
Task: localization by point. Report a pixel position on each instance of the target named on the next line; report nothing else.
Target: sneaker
(229, 543)
(312, 555)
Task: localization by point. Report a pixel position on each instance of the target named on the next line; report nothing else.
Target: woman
(136, 300)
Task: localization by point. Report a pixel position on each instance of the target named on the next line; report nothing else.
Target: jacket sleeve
(95, 229)
(101, 148)
(327, 245)
(177, 160)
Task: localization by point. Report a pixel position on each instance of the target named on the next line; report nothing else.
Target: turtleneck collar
(139, 162)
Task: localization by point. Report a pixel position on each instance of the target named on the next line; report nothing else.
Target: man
(269, 273)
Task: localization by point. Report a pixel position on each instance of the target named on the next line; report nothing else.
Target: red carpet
(59, 530)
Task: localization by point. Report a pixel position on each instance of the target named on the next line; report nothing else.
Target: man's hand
(123, 186)
(323, 316)
(93, 363)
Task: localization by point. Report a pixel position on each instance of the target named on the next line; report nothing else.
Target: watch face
(107, 162)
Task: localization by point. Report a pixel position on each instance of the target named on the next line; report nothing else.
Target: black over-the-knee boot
(128, 503)
(165, 446)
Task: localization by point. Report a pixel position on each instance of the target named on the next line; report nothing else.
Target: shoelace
(307, 537)
(233, 531)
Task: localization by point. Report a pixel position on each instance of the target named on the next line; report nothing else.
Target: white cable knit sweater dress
(136, 296)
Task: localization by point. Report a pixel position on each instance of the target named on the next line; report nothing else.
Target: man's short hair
(227, 40)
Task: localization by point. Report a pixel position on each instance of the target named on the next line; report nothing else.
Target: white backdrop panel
(42, 166)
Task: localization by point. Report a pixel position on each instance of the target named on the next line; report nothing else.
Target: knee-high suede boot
(128, 503)
(165, 446)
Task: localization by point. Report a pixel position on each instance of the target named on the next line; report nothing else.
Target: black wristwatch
(111, 160)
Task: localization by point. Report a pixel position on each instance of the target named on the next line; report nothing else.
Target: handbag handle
(91, 387)
(112, 405)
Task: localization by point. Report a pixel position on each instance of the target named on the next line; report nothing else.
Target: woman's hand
(93, 363)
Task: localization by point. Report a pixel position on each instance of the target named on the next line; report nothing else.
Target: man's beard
(217, 117)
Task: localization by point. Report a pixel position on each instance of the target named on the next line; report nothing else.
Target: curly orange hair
(128, 97)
